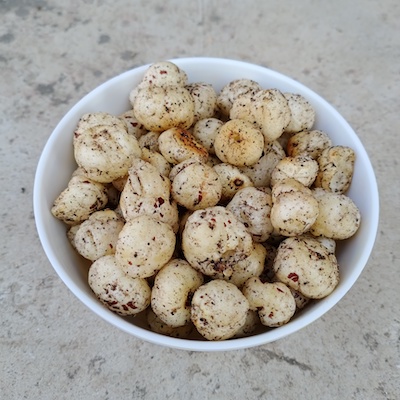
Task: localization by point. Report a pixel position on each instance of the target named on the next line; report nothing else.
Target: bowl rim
(192, 344)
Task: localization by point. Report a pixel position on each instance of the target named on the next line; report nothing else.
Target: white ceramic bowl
(57, 163)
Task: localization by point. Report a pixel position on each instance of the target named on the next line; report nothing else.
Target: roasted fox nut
(195, 185)
(116, 290)
(178, 144)
(239, 143)
(339, 218)
(307, 266)
(171, 294)
(144, 246)
(219, 310)
(274, 301)
(214, 240)
(159, 108)
(105, 152)
(79, 200)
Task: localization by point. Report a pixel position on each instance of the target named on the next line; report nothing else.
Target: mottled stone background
(54, 52)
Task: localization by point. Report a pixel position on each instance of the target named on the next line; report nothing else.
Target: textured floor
(54, 52)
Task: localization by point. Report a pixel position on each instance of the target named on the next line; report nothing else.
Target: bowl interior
(57, 164)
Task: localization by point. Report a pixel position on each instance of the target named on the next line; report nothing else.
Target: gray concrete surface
(54, 52)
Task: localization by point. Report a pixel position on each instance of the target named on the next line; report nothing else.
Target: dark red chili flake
(163, 72)
(279, 290)
(199, 199)
(271, 314)
(131, 305)
(293, 276)
(130, 262)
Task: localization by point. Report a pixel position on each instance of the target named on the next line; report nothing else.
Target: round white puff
(239, 143)
(293, 213)
(302, 168)
(177, 145)
(252, 265)
(310, 143)
(144, 246)
(214, 240)
(302, 113)
(252, 206)
(233, 90)
(98, 235)
(204, 98)
(164, 73)
(159, 108)
(195, 185)
(339, 218)
(219, 310)
(105, 152)
(173, 288)
(305, 265)
(336, 167)
(144, 179)
(148, 192)
(205, 131)
(91, 120)
(273, 301)
(79, 200)
(116, 290)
